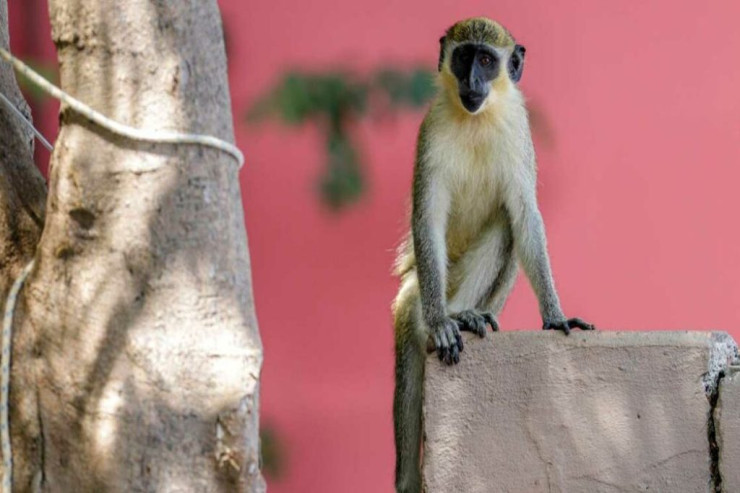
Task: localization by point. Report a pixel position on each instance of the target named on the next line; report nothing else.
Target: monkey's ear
(442, 42)
(516, 63)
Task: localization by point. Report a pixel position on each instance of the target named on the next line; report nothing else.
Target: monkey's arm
(431, 203)
(531, 247)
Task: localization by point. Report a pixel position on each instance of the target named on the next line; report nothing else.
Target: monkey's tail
(407, 399)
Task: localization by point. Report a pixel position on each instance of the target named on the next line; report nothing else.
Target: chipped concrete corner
(727, 420)
(723, 353)
(594, 412)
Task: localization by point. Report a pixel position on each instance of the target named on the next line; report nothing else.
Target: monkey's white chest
(474, 169)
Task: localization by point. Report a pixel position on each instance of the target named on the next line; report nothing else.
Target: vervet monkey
(474, 213)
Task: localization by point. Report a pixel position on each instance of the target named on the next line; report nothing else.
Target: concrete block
(592, 412)
(727, 422)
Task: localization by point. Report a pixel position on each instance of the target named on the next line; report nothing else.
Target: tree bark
(145, 349)
(22, 188)
(22, 199)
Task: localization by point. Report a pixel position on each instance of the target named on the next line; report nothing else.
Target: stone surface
(593, 412)
(727, 419)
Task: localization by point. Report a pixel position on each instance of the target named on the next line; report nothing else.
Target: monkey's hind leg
(407, 399)
(481, 274)
(499, 290)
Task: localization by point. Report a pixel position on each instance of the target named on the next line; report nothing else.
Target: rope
(22, 117)
(7, 333)
(139, 134)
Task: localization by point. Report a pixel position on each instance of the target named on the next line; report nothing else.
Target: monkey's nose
(472, 100)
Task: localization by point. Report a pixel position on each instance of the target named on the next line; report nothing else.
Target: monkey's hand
(447, 340)
(566, 325)
(475, 321)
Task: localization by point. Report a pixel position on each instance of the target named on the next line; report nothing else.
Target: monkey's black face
(474, 66)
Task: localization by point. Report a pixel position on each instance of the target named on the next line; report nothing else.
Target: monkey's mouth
(472, 101)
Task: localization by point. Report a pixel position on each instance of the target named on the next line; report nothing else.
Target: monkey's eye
(485, 60)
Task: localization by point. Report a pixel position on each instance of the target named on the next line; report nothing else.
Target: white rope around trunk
(140, 134)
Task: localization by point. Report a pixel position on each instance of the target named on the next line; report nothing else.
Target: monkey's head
(478, 60)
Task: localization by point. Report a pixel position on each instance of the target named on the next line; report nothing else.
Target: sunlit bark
(143, 349)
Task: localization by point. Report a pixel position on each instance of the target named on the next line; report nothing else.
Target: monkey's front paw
(447, 340)
(475, 321)
(566, 325)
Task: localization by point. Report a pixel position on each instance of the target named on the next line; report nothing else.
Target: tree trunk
(22, 188)
(145, 351)
(22, 198)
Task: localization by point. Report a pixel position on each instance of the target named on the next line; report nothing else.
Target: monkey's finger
(564, 327)
(459, 339)
(454, 355)
(557, 326)
(480, 325)
(467, 325)
(448, 354)
(447, 343)
(440, 347)
(452, 334)
(577, 323)
(457, 329)
(491, 321)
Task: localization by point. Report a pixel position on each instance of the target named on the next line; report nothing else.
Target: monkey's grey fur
(474, 213)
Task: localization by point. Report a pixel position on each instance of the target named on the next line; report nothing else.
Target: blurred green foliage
(334, 100)
(272, 452)
(31, 91)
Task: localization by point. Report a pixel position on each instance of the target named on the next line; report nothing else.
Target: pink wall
(638, 194)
